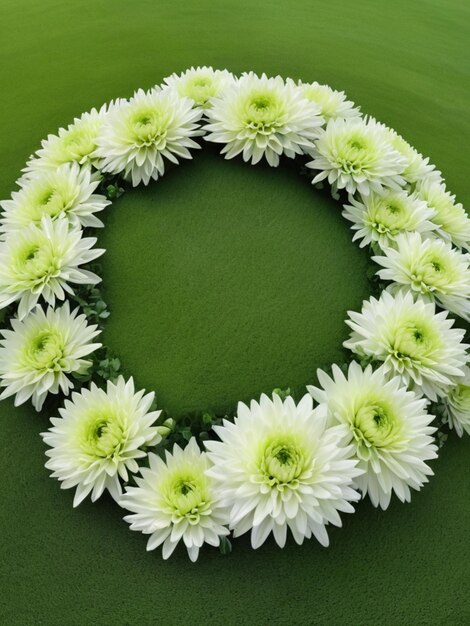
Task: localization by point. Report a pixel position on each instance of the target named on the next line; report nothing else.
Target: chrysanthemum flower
(388, 427)
(418, 168)
(98, 438)
(67, 190)
(332, 103)
(379, 218)
(76, 143)
(201, 84)
(38, 354)
(278, 466)
(142, 132)
(176, 500)
(263, 117)
(457, 406)
(450, 216)
(413, 341)
(41, 260)
(430, 267)
(356, 155)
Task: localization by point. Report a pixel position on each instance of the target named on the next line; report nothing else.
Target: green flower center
(35, 262)
(51, 200)
(199, 89)
(104, 435)
(414, 341)
(185, 495)
(433, 272)
(327, 100)
(45, 351)
(264, 112)
(354, 153)
(389, 215)
(79, 143)
(375, 425)
(149, 127)
(282, 462)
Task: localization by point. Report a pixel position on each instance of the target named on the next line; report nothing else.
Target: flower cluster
(279, 466)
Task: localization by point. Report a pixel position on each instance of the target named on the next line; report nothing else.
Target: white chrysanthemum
(41, 260)
(418, 168)
(413, 341)
(278, 466)
(388, 427)
(450, 216)
(67, 190)
(263, 117)
(76, 143)
(201, 84)
(431, 267)
(38, 354)
(379, 218)
(176, 500)
(142, 132)
(356, 155)
(98, 438)
(457, 406)
(332, 103)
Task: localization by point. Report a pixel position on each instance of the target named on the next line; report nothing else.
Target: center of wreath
(225, 281)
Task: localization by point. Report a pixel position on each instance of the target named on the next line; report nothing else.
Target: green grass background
(225, 281)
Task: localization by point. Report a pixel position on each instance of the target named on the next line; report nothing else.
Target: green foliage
(91, 301)
(111, 186)
(225, 546)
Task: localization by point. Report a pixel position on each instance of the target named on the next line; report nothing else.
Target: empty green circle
(226, 280)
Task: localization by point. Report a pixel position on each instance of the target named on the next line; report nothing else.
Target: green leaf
(225, 546)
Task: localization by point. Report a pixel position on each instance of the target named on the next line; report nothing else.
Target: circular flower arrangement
(369, 428)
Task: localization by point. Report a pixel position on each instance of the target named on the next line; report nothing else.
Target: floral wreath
(369, 428)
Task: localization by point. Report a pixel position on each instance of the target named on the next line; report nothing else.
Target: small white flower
(98, 437)
(457, 406)
(201, 84)
(142, 132)
(38, 354)
(418, 168)
(332, 103)
(262, 117)
(76, 143)
(413, 341)
(278, 466)
(450, 216)
(67, 190)
(380, 217)
(430, 267)
(176, 500)
(356, 155)
(388, 427)
(41, 260)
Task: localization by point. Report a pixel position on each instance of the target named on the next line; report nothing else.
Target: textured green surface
(216, 278)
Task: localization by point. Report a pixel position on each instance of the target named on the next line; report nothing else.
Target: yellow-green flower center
(354, 152)
(326, 99)
(78, 143)
(35, 261)
(375, 424)
(185, 494)
(390, 214)
(50, 199)
(264, 112)
(414, 341)
(282, 461)
(104, 434)
(45, 351)
(433, 271)
(199, 89)
(148, 127)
